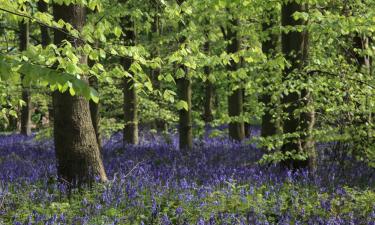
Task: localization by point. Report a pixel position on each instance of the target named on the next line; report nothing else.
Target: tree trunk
(46, 39)
(269, 46)
(185, 120)
(77, 151)
(156, 31)
(247, 125)
(209, 90)
(295, 50)
(155, 52)
(130, 92)
(185, 127)
(95, 110)
(235, 98)
(26, 110)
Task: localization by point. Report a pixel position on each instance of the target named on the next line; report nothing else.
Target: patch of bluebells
(217, 182)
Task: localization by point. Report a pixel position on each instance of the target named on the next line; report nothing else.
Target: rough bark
(235, 98)
(295, 50)
(130, 92)
(77, 151)
(269, 46)
(185, 128)
(26, 110)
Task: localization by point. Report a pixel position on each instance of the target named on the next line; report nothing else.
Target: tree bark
(185, 127)
(295, 50)
(130, 92)
(26, 110)
(235, 98)
(77, 151)
(269, 46)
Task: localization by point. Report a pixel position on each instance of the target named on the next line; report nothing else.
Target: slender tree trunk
(77, 151)
(95, 110)
(185, 127)
(295, 50)
(156, 31)
(130, 92)
(209, 90)
(26, 110)
(235, 98)
(155, 34)
(269, 46)
(247, 125)
(46, 40)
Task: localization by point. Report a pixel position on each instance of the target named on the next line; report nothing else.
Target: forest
(187, 112)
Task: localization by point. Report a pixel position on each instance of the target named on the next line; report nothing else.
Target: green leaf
(182, 105)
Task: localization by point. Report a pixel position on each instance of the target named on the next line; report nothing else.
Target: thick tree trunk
(235, 98)
(77, 151)
(269, 46)
(209, 91)
(130, 92)
(185, 127)
(295, 50)
(26, 110)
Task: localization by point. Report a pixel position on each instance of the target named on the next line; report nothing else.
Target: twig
(41, 23)
(335, 75)
(136, 165)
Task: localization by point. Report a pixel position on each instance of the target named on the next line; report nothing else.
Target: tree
(26, 110)
(295, 50)
(209, 88)
(235, 98)
(129, 89)
(185, 128)
(269, 48)
(77, 151)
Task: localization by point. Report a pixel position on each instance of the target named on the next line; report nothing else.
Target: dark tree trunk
(209, 90)
(46, 38)
(185, 127)
(269, 46)
(247, 125)
(156, 31)
(185, 120)
(295, 50)
(26, 110)
(130, 92)
(235, 98)
(77, 151)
